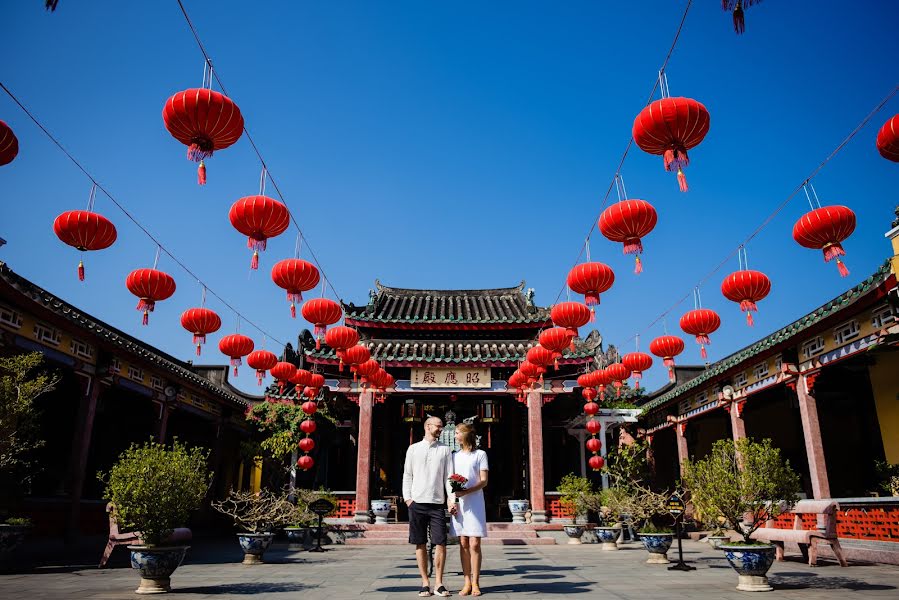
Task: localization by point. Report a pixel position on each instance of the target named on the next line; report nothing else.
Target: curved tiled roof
(405, 305)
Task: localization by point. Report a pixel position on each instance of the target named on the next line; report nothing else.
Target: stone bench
(825, 531)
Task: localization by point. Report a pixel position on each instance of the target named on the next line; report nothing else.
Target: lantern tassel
(259, 376)
(739, 20)
(633, 246)
(592, 315)
(80, 270)
(201, 173)
(702, 351)
(841, 267)
(254, 262)
(198, 349)
(638, 266)
(293, 310)
(682, 180)
(146, 319)
(591, 299)
(832, 251)
(671, 377)
(749, 320)
(489, 437)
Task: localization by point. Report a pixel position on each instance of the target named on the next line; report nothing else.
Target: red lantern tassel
(259, 376)
(832, 251)
(749, 320)
(682, 180)
(702, 351)
(842, 268)
(198, 349)
(254, 262)
(293, 310)
(671, 373)
(638, 268)
(201, 173)
(146, 319)
(739, 19)
(80, 271)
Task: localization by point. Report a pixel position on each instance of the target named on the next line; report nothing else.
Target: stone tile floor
(212, 570)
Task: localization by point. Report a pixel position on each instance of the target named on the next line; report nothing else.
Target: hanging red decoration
(321, 312)
(823, 229)
(309, 407)
(591, 408)
(316, 380)
(308, 426)
(204, 121)
(300, 379)
(151, 286)
(887, 140)
(667, 347)
(540, 356)
(9, 144)
(283, 372)
(701, 323)
(341, 338)
(235, 346)
(636, 363)
(307, 444)
(556, 340)
(355, 356)
(736, 7)
(669, 127)
(368, 368)
(594, 445)
(747, 288)
(618, 373)
(84, 230)
(600, 379)
(296, 276)
(593, 426)
(262, 361)
(531, 371)
(585, 380)
(596, 463)
(627, 222)
(200, 322)
(305, 462)
(570, 315)
(589, 394)
(259, 218)
(591, 279)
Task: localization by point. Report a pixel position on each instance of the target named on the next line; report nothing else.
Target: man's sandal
(442, 591)
(424, 592)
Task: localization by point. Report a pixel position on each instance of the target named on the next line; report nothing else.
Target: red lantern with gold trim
(259, 218)
(283, 372)
(618, 373)
(701, 323)
(355, 356)
(591, 279)
(824, 229)
(570, 315)
(9, 144)
(628, 222)
(341, 338)
(887, 139)
(594, 445)
(305, 462)
(200, 322)
(667, 347)
(746, 287)
(307, 444)
(593, 426)
(295, 276)
(556, 340)
(262, 361)
(321, 312)
(636, 363)
(150, 286)
(85, 231)
(596, 463)
(235, 346)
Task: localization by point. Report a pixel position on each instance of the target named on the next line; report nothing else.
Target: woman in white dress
(469, 519)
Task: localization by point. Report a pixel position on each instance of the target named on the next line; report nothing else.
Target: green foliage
(742, 478)
(281, 418)
(650, 527)
(576, 494)
(21, 383)
(303, 517)
(889, 477)
(19, 521)
(154, 487)
(627, 465)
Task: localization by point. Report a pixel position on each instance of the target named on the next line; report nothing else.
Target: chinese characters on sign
(451, 378)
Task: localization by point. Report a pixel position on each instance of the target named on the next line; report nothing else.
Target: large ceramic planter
(254, 546)
(296, 537)
(608, 536)
(11, 537)
(381, 508)
(657, 544)
(715, 541)
(751, 564)
(574, 533)
(518, 508)
(156, 565)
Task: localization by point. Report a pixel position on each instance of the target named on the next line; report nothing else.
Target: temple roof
(777, 338)
(404, 305)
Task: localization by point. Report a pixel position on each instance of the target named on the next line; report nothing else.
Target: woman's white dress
(471, 517)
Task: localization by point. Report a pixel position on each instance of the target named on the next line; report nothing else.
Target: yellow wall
(885, 382)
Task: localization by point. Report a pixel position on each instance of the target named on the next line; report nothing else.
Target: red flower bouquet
(457, 483)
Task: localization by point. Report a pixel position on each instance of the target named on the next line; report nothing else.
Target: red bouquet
(457, 483)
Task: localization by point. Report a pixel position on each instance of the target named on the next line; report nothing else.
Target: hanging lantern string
(587, 248)
(802, 186)
(203, 299)
(246, 132)
(207, 74)
(299, 245)
(630, 143)
(121, 207)
(812, 198)
(262, 178)
(156, 260)
(92, 197)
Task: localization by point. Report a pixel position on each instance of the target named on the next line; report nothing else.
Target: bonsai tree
(302, 516)
(743, 481)
(155, 487)
(257, 512)
(575, 495)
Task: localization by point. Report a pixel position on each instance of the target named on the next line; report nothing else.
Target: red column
(363, 459)
(683, 452)
(535, 451)
(81, 442)
(811, 430)
(737, 424)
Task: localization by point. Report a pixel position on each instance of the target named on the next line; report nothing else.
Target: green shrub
(650, 527)
(155, 488)
(19, 521)
(575, 494)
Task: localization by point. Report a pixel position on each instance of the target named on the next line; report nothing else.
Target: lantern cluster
(593, 426)
(307, 426)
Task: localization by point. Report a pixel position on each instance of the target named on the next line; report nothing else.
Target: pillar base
(538, 516)
(361, 516)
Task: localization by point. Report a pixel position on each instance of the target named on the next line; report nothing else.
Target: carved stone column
(363, 459)
(535, 451)
(811, 430)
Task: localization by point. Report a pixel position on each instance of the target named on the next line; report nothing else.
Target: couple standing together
(428, 494)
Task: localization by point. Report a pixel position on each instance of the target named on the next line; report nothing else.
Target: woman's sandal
(466, 590)
(475, 591)
(442, 591)
(424, 592)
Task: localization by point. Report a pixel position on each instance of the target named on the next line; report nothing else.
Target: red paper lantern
(887, 140)
(669, 127)
(307, 444)
(283, 372)
(259, 218)
(316, 380)
(151, 286)
(300, 379)
(667, 347)
(368, 368)
(85, 231)
(596, 462)
(262, 361)
(823, 229)
(700, 323)
(591, 408)
(636, 363)
(600, 379)
(593, 445)
(618, 373)
(341, 338)
(200, 322)
(204, 121)
(305, 462)
(235, 346)
(556, 340)
(747, 288)
(591, 279)
(355, 356)
(540, 356)
(308, 426)
(9, 144)
(588, 393)
(585, 380)
(627, 222)
(531, 371)
(321, 312)
(296, 276)
(593, 426)
(571, 315)
(310, 407)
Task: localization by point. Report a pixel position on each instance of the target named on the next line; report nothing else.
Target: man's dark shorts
(421, 515)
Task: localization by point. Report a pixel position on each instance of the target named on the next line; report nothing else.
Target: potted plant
(657, 541)
(12, 534)
(608, 505)
(746, 482)
(304, 521)
(718, 534)
(575, 494)
(648, 508)
(154, 489)
(257, 515)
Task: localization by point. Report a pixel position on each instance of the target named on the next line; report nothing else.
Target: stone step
(383, 534)
(488, 541)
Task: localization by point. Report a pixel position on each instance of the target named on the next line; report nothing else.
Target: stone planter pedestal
(518, 508)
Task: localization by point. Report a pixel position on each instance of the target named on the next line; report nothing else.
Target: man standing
(428, 465)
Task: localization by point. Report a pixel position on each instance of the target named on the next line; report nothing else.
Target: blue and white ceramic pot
(751, 564)
(518, 508)
(608, 536)
(296, 536)
(156, 565)
(657, 544)
(11, 537)
(574, 533)
(380, 508)
(254, 546)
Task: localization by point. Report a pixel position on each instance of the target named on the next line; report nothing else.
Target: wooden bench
(825, 531)
(182, 535)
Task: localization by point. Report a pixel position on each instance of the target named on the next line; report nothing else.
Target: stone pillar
(161, 427)
(737, 424)
(603, 451)
(81, 442)
(363, 459)
(535, 452)
(683, 452)
(811, 430)
(581, 436)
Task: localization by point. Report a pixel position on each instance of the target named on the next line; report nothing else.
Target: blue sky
(448, 145)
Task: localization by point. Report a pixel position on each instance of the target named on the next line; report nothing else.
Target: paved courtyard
(212, 570)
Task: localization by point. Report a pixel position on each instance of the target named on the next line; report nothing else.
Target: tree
(742, 481)
(21, 383)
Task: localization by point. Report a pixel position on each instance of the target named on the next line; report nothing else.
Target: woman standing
(469, 520)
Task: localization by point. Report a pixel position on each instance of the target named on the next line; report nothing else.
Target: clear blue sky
(448, 145)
